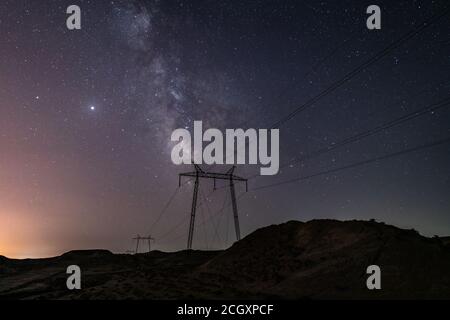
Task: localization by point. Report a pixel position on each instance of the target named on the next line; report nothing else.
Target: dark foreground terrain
(319, 259)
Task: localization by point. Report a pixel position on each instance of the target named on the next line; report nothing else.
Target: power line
(414, 95)
(200, 174)
(174, 228)
(398, 121)
(218, 212)
(360, 68)
(181, 223)
(304, 77)
(203, 217)
(283, 92)
(138, 239)
(357, 164)
(348, 77)
(208, 209)
(394, 45)
(228, 222)
(392, 123)
(350, 166)
(172, 197)
(167, 205)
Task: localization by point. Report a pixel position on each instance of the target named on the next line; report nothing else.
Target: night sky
(86, 117)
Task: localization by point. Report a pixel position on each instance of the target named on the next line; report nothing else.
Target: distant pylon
(199, 173)
(149, 239)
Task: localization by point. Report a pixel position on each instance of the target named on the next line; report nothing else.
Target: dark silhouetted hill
(319, 259)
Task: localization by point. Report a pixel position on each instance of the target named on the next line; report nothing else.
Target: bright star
(92, 108)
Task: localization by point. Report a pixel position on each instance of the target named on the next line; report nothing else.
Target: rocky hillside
(328, 259)
(319, 259)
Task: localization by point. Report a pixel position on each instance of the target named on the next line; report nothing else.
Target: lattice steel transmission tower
(231, 177)
(149, 239)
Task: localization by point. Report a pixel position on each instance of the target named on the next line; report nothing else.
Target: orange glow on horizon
(20, 238)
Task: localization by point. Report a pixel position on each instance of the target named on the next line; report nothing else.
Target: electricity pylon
(231, 177)
(149, 239)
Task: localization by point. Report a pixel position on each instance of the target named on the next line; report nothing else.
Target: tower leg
(193, 209)
(137, 245)
(235, 211)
